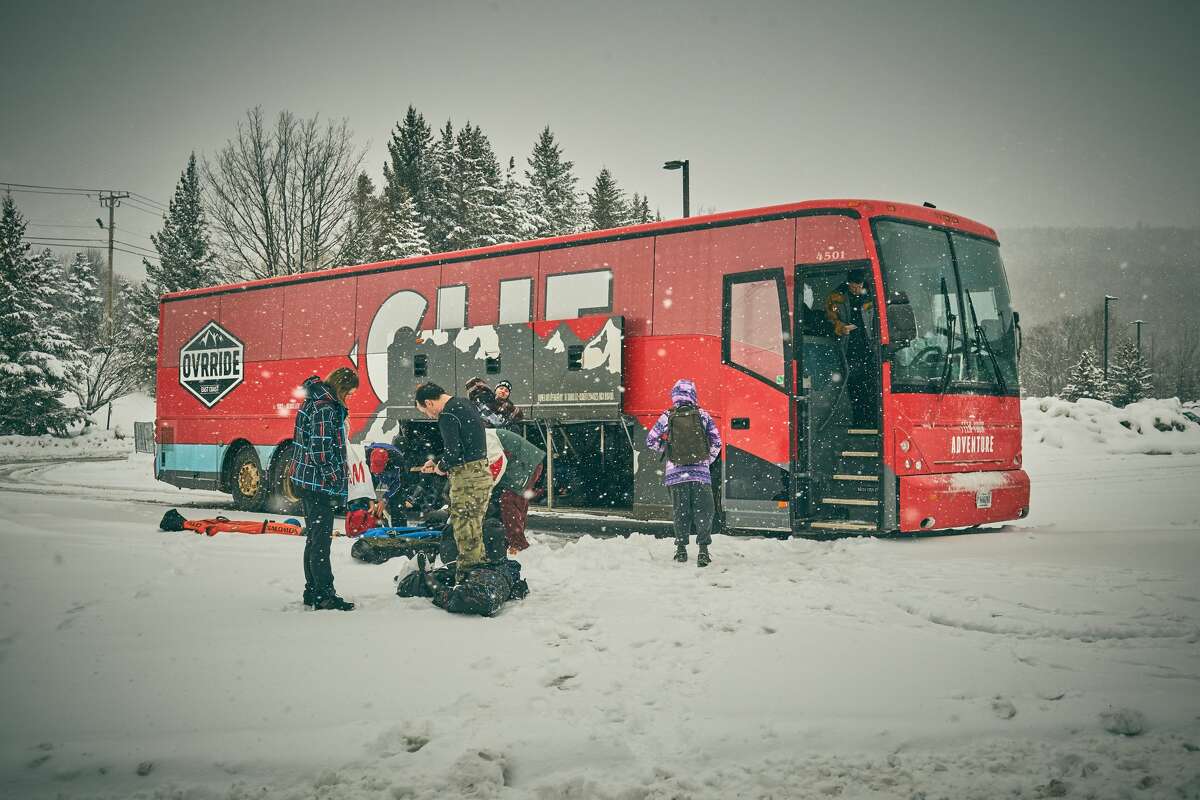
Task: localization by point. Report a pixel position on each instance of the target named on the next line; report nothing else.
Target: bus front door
(835, 464)
(756, 354)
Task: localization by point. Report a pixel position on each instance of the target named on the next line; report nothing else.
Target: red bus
(593, 329)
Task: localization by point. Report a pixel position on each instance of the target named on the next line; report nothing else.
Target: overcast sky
(1016, 114)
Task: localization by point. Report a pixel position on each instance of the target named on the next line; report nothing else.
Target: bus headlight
(904, 445)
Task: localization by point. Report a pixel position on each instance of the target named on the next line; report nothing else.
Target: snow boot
(681, 553)
(310, 598)
(333, 603)
(703, 559)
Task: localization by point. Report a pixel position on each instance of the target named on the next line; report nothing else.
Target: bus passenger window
(452, 307)
(754, 328)
(516, 300)
(578, 294)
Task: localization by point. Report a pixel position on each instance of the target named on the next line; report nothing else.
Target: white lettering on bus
(212, 364)
(960, 445)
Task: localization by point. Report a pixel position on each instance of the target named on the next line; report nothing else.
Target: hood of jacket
(317, 391)
(684, 391)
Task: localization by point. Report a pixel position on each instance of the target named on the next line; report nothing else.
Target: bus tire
(283, 499)
(247, 483)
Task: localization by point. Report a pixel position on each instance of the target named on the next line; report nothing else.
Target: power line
(79, 190)
(75, 245)
(59, 188)
(61, 240)
(84, 227)
(154, 203)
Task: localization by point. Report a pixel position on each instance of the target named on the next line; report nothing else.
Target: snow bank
(1153, 427)
(95, 442)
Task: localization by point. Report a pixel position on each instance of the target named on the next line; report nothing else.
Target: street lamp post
(1139, 324)
(1108, 298)
(684, 166)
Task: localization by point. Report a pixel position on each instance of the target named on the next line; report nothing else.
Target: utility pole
(1108, 298)
(110, 200)
(1139, 324)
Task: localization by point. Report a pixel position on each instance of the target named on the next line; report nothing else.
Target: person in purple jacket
(688, 437)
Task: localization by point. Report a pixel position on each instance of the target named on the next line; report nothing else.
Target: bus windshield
(965, 338)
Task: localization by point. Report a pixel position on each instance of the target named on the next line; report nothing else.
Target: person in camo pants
(464, 459)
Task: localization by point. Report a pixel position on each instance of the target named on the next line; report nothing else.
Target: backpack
(482, 591)
(687, 439)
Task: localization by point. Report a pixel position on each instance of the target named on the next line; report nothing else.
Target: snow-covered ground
(1008, 663)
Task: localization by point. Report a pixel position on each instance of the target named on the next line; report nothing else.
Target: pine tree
(553, 184)
(437, 222)
(1129, 377)
(521, 220)
(474, 196)
(606, 203)
(639, 211)
(1085, 379)
(185, 261)
(112, 368)
(363, 230)
(36, 358)
(415, 169)
(400, 233)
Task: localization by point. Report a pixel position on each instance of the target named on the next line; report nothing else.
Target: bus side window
(578, 294)
(452, 307)
(516, 300)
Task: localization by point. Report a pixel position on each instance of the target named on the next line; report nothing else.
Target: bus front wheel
(247, 483)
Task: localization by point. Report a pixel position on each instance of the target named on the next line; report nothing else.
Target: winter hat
(504, 385)
(856, 276)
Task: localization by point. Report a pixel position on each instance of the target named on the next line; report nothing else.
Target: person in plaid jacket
(318, 475)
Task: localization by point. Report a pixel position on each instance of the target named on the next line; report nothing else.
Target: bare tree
(280, 198)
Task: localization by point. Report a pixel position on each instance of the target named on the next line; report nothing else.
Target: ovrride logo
(210, 364)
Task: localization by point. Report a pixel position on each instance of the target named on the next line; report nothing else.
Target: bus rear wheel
(247, 483)
(283, 499)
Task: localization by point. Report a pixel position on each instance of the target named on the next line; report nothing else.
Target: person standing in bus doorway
(689, 438)
(848, 307)
(464, 458)
(319, 477)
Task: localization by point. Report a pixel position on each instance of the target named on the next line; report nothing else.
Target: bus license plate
(983, 498)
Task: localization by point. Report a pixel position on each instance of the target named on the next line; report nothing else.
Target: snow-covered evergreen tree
(363, 230)
(606, 203)
(474, 196)
(400, 232)
(185, 261)
(1129, 376)
(111, 368)
(553, 185)
(415, 169)
(37, 360)
(521, 220)
(639, 210)
(1085, 379)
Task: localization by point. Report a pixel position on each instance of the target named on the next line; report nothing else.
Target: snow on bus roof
(866, 208)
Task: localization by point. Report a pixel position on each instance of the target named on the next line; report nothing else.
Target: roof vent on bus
(928, 204)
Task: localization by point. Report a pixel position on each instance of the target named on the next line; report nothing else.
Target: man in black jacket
(464, 458)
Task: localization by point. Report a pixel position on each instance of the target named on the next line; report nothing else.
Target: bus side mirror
(1017, 327)
(902, 323)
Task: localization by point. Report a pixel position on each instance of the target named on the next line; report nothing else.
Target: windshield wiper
(950, 320)
(982, 344)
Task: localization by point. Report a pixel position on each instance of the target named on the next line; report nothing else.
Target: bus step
(848, 501)
(843, 525)
(862, 431)
(860, 454)
(874, 478)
